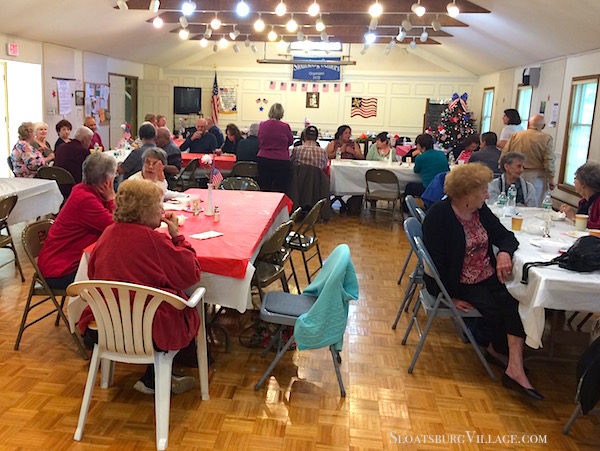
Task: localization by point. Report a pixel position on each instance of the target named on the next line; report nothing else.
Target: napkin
(205, 235)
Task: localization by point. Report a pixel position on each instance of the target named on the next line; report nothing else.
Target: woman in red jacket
(131, 250)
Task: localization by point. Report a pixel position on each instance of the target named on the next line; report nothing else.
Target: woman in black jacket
(459, 233)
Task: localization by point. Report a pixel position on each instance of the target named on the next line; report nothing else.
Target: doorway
(123, 106)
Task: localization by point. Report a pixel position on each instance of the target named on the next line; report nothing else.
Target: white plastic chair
(125, 335)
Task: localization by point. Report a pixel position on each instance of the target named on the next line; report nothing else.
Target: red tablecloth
(222, 162)
(245, 218)
(178, 142)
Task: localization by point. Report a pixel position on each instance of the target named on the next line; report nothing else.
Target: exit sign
(12, 48)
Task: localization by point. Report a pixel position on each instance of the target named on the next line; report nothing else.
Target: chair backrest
(382, 177)
(239, 183)
(7, 203)
(309, 221)
(191, 166)
(411, 204)
(295, 216)
(431, 270)
(60, 175)
(124, 313)
(244, 169)
(33, 238)
(276, 241)
(420, 215)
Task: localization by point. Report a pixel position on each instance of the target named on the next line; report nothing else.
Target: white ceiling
(517, 32)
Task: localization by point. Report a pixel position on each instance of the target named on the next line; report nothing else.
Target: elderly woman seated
(512, 166)
(153, 169)
(40, 133)
(587, 185)
(25, 158)
(459, 233)
(380, 150)
(131, 250)
(81, 221)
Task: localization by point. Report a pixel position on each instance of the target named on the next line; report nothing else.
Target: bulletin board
(97, 102)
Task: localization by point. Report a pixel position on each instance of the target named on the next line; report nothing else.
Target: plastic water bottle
(547, 206)
(96, 148)
(501, 203)
(338, 153)
(512, 199)
(451, 160)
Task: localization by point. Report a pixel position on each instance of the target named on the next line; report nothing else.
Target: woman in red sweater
(81, 221)
(130, 250)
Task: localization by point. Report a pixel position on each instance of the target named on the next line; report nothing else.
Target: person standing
(274, 139)
(537, 148)
(512, 125)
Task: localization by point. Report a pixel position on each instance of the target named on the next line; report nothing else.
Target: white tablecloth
(37, 197)
(222, 290)
(348, 176)
(549, 287)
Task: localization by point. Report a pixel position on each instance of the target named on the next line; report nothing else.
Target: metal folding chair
(415, 212)
(244, 169)
(382, 184)
(7, 204)
(185, 178)
(239, 184)
(304, 238)
(436, 306)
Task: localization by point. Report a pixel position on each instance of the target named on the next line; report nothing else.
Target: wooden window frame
(519, 89)
(493, 89)
(563, 158)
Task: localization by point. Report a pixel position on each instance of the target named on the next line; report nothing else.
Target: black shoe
(509, 382)
(496, 361)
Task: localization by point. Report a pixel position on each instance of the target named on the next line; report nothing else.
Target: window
(524, 103)
(579, 128)
(486, 109)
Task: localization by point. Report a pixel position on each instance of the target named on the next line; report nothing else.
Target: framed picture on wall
(79, 98)
(312, 100)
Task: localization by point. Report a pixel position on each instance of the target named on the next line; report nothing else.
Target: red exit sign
(12, 48)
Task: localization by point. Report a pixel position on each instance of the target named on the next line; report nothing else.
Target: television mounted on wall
(187, 100)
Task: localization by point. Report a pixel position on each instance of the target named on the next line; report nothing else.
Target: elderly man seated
(164, 141)
(512, 164)
(310, 152)
(153, 169)
(71, 155)
(86, 213)
(201, 141)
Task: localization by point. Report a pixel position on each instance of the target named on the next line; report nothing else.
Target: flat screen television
(187, 100)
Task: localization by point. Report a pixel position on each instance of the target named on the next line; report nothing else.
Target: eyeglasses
(151, 163)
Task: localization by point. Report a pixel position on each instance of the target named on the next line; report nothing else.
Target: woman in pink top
(274, 141)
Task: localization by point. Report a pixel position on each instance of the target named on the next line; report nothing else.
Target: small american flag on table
(215, 176)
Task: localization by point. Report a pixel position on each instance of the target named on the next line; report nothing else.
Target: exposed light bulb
(188, 8)
(259, 24)
(401, 35)
(314, 9)
(272, 36)
(233, 35)
(300, 36)
(223, 43)
(154, 5)
(122, 4)
(280, 9)
(215, 24)
(247, 41)
(452, 9)
(418, 9)
(203, 42)
(184, 34)
(413, 43)
(236, 48)
(183, 22)
(291, 25)
(370, 38)
(324, 37)
(320, 25)
(406, 24)
(436, 25)
(373, 24)
(375, 9)
(242, 9)
(208, 32)
(158, 22)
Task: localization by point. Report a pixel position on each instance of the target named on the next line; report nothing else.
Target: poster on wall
(228, 98)
(64, 97)
(96, 102)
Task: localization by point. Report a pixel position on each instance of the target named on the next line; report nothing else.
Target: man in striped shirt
(310, 152)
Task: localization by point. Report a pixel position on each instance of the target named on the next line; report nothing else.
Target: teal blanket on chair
(335, 285)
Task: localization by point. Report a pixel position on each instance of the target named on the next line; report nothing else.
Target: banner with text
(318, 71)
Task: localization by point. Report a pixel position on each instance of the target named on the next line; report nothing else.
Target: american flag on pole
(364, 107)
(215, 101)
(215, 176)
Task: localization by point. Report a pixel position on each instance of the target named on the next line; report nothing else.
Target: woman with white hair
(71, 155)
(40, 132)
(25, 159)
(153, 169)
(274, 139)
(247, 149)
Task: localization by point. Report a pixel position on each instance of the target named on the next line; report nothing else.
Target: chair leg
(274, 363)
(163, 362)
(422, 340)
(410, 252)
(107, 373)
(75, 335)
(413, 319)
(408, 295)
(294, 274)
(202, 353)
(24, 318)
(87, 393)
(17, 262)
(469, 335)
(574, 416)
(306, 267)
(62, 306)
(336, 357)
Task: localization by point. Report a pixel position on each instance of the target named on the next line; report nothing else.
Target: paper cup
(517, 223)
(409, 160)
(581, 222)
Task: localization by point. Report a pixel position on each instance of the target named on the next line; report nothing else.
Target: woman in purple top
(274, 140)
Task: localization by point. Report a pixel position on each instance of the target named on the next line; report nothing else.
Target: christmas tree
(456, 123)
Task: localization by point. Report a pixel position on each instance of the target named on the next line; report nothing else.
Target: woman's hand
(49, 158)
(107, 189)
(568, 211)
(462, 306)
(503, 266)
(172, 223)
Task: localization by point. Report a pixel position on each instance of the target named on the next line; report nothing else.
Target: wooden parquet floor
(449, 394)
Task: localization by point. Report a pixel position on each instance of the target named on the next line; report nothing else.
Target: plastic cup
(517, 223)
(581, 222)
(461, 162)
(408, 160)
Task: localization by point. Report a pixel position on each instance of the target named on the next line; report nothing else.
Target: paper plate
(577, 233)
(550, 246)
